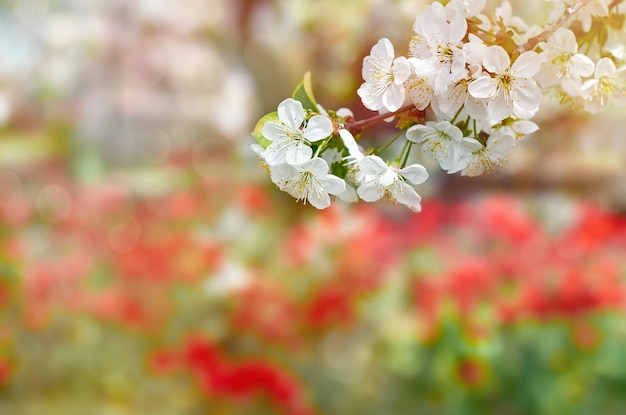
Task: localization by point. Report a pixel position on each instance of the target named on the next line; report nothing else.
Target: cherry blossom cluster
(465, 95)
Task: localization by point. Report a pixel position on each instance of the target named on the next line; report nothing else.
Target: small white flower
(292, 135)
(562, 64)
(607, 85)
(466, 8)
(457, 95)
(440, 42)
(509, 89)
(522, 128)
(439, 141)
(381, 179)
(384, 76)
(420, 84)
(493, 155)
(309, 181)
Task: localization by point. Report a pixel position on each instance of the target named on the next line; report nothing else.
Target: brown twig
(356, 127)
(569, 12)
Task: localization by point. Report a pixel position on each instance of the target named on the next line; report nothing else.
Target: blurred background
(148, 265)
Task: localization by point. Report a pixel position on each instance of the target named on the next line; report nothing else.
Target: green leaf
(257, 133)
(304, 93)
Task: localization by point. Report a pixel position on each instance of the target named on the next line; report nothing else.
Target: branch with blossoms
(465, 95)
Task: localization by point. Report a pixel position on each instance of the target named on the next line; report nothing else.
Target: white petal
(604, 67)
(393, 97)
(483, 87)
(319, 200)
(407, 195)
(298, 154)
(501, 141)
(333, 184)
(280, 172)
(401, 69)
(415, 173)
(274, 131)
(318, 128)
(420, 92)
(582, 65)
(348, 195)
(370, 101)
(388, 177)
(383, 50)
(524, 127)
(373, 165)
(526, 65)
(418, 133)
(291, 113)
(458, 29)
(317, 166)
(500, 107)
(370, 191)
(564, 39)
(496, 59)
(348, 140)
(527, 94)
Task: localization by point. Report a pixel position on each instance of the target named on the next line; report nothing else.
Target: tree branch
(569, 12)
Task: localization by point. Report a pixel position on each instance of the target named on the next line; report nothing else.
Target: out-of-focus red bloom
(333, 304)
(243, 379)
(117, 306)
(471, 372)
(5, 372)
(268, 311)
(593, 229)
(254, 200)
(503, 219)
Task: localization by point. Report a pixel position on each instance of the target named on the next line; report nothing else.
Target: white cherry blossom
(381, 179)
(309, 181)
(562, 64)
(607, 85)
(441, 42)
(292, 135)
(509, 89)
(384, 76)
(439, 141)
(492, 155)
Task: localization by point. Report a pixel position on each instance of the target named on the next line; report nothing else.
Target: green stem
(457, 114)
(393, 140)
(321, 146)
(406, 156)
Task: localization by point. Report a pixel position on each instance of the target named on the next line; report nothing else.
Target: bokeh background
(148, 265)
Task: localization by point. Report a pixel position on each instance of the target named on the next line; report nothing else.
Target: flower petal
(298, 154)
(526, 65)
(393, 97)
(407, 195)
(274, 131)
(370, 191)
(373, 165)
(318, 128)
(291, 113)
(483, 87)
(333, 184)
(415, 173)
(319, 200)
(496, 60)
